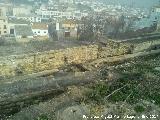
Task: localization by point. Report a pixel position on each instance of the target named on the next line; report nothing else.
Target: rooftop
(41, 26)
(23, 30)
(18, 21)
(70, 21)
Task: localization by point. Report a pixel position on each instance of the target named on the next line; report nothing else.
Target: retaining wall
(54, 59)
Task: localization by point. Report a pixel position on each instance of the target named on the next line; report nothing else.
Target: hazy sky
(136, 3)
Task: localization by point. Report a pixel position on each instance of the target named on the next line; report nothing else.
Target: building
(156, 12)
(156, 8)
(12, 22)
(55, 14)
(69, 24)
(23, 31)
(21, 10)
(3, 26)
(40, 29)
(8, 8)
(3, 22)
(31, 18)
(3, 11)
(68, 27)
(66, 1)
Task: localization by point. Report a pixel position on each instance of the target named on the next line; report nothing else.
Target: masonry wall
(112, 48)
(115, 48)
(146, 45)
(54, 59)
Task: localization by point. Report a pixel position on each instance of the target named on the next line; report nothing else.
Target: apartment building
(22, 10)
(31, 18)
(46, 14)
(3, 22)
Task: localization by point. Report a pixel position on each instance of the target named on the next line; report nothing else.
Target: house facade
(54, 14)
(3, 26)
(68, 27)
(12, 22)
(3, 22)
(40, 29)
(30, 18)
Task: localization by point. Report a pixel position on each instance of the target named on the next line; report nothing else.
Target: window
(38, 31)
(45, 32)
(5, 27)
(12, 31)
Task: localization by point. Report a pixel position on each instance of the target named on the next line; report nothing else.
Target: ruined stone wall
(114, 48)
(146, 45)
(54, 59)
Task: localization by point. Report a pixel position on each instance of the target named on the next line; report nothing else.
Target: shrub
(139, 109)
(24, 36)
(42, 117)
(2, 41)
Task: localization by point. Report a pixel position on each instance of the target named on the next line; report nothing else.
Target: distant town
(74, 19)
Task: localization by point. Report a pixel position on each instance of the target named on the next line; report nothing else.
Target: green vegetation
(139, 109)
(139, 81)
(42, 117)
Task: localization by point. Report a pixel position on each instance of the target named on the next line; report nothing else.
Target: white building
(3, 22)
(30, 18)
(67, 1)
(21, 10)
(46, 14)
(40, 29)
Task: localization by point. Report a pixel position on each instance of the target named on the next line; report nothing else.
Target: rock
(73, 113)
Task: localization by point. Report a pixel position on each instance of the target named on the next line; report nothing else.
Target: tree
(86, 32)
(52, 31)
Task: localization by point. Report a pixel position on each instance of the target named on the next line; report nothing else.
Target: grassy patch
(42, 117)
(141, 80)
(139, 109)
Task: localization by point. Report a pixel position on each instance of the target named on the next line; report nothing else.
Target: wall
(3, 25)
(115, 48)
(40, 32)
(54, 59)
(146, 45)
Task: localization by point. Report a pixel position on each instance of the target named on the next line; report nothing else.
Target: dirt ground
(17, 48)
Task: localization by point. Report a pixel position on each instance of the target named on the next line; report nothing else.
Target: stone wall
(115, 48)
(54, 59)
(146, 45)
